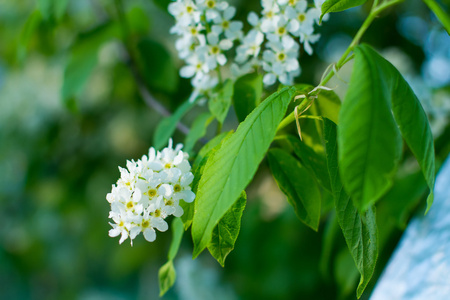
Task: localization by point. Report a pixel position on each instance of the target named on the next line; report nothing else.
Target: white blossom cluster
(284, 23)
(206, 31)
(148, 191)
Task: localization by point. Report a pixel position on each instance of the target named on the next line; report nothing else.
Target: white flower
(271, 15)
(250, 47)
(281, 61)
(198, 66)
(182, 189)
(185, 12)
(214, 50)
(231, 29)
(212, 8)
(149, 191)
(306, 38)
(279, 30)
(301, 20)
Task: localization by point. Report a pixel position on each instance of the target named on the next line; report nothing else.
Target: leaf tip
(430, 200)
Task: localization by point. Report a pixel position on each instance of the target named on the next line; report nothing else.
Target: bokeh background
(71, 111)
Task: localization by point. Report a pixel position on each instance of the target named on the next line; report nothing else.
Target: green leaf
(225, 233)
(360, 231)
(247, 94)
(328, 105)
(167, 276)
(198, 167)
(52, 8)
(330, 234)
(83, 59)
(231, 168)
(313, 161)
(27, 32)
(209, 146)
(221, 101)
(177, 235)
(157, 66)
(370, 145)
(408, 113)
(296, 183)
(198, 130)
(339, 5)
(167, 126)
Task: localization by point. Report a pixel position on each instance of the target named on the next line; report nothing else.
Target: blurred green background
(71, 112)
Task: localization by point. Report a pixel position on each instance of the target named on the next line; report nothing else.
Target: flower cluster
(283, 23)
(148, 191)
(207, 30)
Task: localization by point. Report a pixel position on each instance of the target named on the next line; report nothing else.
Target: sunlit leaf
(339, 5)
(297, 184)
(198, 167)
(231, 169)
(225, 233)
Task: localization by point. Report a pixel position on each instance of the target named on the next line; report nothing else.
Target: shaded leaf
(220, 102)
(231, 168)
(198, 130)
(313, 161)
(247, 94)
(331, 232)
(177, 235)
(328, 105)
(27, 32)
(409, 115)
(167, 126)
(52, 9)
(157, 66)
(296, 183)
(83, 59)
(360, 231)
(167, 276)
(370, 145)
(225, 233)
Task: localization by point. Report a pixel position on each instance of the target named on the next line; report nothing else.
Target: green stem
(311, 117)
(442, 16)
(291, 117)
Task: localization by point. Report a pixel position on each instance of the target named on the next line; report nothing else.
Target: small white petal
(253, 18)
(269, 79)
(229, 13)
(150, 234)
